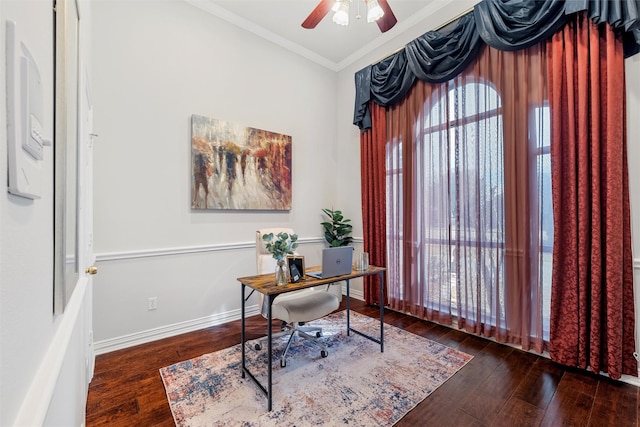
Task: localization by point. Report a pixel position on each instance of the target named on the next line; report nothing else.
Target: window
(448, 208)
(462, 176)
(540, 141)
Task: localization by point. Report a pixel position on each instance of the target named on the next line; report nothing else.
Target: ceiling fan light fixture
(336, 6)
(374, 11)
(341, 17)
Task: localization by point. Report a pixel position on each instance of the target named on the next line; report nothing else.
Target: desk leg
(245, 369)
(348, 308)
(242, 338)
(369, 337)
(270, 354)
(381, 278)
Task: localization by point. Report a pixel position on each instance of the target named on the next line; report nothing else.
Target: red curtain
(592, 309)
(372, 160)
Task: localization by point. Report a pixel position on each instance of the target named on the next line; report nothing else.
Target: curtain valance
(434, 58)
(438, 56)
(511, 25)
(622, 15)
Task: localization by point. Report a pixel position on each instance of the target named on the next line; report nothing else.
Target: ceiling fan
(377, 10)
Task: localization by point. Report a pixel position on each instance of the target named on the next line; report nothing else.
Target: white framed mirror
(66, 274)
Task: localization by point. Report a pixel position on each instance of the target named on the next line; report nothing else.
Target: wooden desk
(265, 284)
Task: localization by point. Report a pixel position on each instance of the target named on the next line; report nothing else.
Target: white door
(86, 257)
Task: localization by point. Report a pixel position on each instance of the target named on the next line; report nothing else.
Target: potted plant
(279, 246)
(337, 231)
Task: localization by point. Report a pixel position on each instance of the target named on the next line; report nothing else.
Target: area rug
(355, 385)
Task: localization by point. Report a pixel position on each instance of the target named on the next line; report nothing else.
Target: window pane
(541, 130)
(546, 237)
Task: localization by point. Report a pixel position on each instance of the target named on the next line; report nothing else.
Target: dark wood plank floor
(501, 386)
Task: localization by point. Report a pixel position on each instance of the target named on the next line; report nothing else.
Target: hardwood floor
(501, 386)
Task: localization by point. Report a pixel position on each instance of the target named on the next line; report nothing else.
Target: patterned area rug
(356, 384)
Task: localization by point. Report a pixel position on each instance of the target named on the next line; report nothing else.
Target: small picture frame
(295, 264)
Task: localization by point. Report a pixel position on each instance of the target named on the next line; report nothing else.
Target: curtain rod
(455, 18)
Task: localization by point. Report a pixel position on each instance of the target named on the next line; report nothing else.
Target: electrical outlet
(153, 303)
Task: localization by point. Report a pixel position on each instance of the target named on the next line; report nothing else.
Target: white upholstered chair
(297, 307)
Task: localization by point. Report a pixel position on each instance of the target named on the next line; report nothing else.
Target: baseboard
(167, 331)
(143, 337)
(631, 380)
(354, 293)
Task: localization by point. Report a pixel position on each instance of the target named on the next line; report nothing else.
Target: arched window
(454, 247)
(460, 169)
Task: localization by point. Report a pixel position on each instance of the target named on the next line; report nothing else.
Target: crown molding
(431, 9)
(247, 25)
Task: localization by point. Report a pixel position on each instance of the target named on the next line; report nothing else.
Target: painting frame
(298, 261)
(234, 167)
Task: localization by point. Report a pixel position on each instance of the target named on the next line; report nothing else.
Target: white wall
(159, 63)
(26, 244)
(632, 69)
(42, 356)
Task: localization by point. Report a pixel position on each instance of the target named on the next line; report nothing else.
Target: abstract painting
(236, 167)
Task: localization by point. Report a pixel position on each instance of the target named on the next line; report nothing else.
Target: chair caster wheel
(324, 353)
(283, 363)
(318, 334)
(258, 347)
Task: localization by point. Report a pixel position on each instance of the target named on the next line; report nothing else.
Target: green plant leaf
(281, 246)
(337, 229)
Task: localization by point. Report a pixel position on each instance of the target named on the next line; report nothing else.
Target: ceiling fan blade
(388, 20)
(317, 14)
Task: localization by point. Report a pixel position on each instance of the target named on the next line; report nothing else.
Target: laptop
(335, 262)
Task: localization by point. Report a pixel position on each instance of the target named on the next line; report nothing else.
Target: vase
(281, 273)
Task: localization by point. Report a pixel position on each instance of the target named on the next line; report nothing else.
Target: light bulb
(341, 17)
(374, 11)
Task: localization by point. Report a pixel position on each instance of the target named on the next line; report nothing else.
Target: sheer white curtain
(465, 199)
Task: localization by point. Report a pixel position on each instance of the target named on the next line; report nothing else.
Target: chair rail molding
(185, 250)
